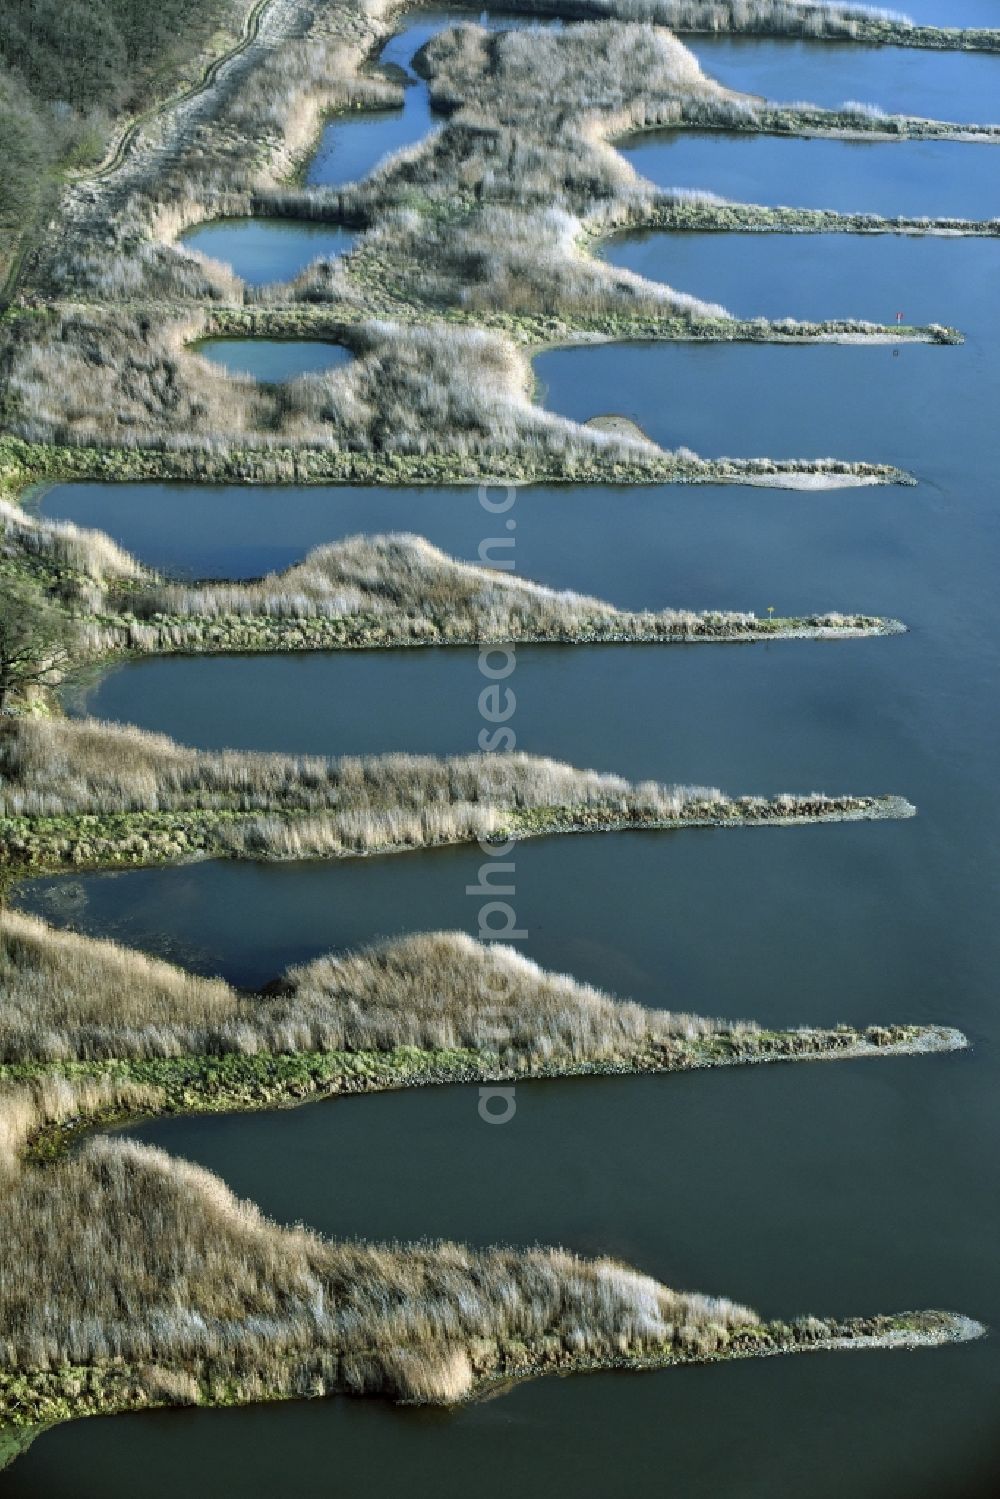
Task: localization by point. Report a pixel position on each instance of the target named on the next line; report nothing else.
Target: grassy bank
(213, 624)
(862, 23)
(651, 321)
(701, 213)
(138, 839)
(23, 464)
(236, 1082)
(33, 1401)
(850, 122)
(82, 793)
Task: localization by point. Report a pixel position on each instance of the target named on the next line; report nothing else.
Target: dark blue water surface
(760, 400)
(920, 406)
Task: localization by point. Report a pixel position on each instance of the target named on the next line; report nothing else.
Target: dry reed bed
(810, 20)
(62, 547)
(365, 592)
(70, 998)
(60, 767)
(487, 219)
(83, 792)
(25, 464)
(251, 127)
(173, 1270)
(160, 1286)
(121, 379)
(705, 213)
(491, 213)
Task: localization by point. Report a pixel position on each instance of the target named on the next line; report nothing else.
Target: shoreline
(91, 842)
(24, 465)
(730, 216)
(232, 1082)
(544, 332)
(869, 27)
(33, 1401)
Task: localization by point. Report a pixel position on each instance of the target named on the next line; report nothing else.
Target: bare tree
(35, 639)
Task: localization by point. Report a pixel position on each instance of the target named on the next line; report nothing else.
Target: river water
(852, 1187)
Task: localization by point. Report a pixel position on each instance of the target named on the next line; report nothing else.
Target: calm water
(850, 1187)
(752, 1430)
(642, 547)
(618, 541)
(929, 280)
(264, 250)
(962, 86)
(420, 700)
(273, 359)
(352, 145)
(933, 178)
